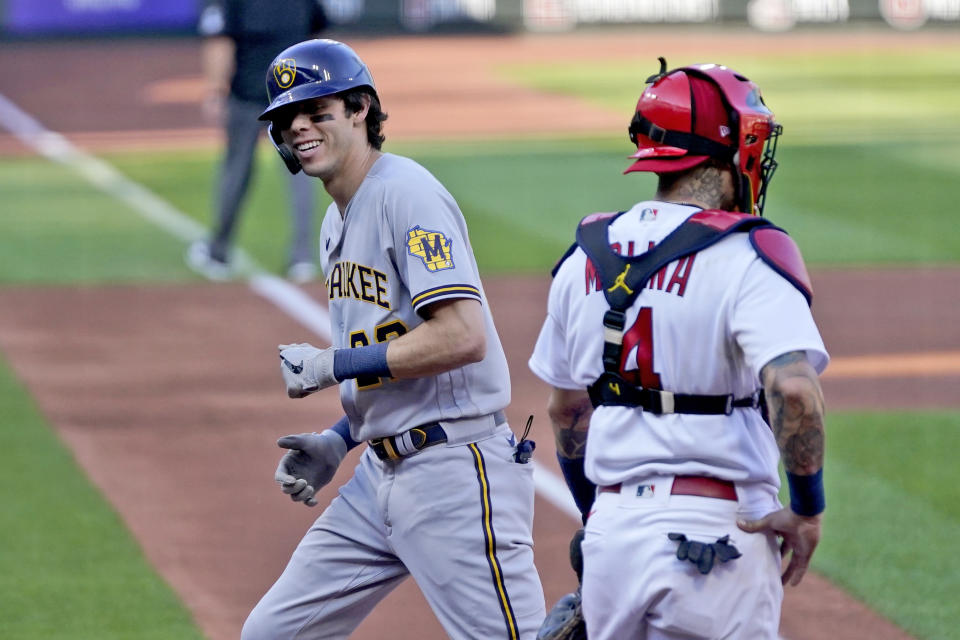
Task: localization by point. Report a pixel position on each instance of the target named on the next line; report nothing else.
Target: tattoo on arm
(571, 442)
(570, 418)
(796, 411)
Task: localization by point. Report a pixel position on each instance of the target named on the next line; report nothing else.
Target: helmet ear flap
(289, 159)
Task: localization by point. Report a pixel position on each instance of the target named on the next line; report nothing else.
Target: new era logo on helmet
(284, 72)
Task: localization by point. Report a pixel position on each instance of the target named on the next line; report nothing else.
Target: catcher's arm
(570, 412)
(796, 407)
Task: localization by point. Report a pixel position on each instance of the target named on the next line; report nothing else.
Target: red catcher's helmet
(690, 114)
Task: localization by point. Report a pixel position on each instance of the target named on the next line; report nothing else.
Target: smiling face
(323, 135)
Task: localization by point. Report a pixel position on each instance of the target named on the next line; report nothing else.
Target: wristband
(342, 429)
(580, 486)
(806, 493)
(361, 361)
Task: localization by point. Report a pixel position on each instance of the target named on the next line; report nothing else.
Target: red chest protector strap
(623, 278)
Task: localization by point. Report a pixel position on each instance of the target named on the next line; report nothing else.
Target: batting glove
(306, 369)
(310, 463)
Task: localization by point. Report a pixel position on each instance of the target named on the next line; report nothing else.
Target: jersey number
(382, 333)
(640, 336)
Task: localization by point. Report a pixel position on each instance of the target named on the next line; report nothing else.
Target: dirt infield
(177, 427)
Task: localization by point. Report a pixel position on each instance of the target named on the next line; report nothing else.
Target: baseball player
(666, 326)
(443, 491)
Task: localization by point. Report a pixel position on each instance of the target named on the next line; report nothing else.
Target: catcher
(695, 309)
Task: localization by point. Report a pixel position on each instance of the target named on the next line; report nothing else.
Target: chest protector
(623, 278)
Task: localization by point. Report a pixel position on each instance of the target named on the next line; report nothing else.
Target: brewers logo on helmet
(285, 72)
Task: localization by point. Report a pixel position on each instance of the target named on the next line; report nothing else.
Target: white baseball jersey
(401, 246)
(705, 324)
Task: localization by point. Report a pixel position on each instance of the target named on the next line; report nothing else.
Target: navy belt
(408, 442)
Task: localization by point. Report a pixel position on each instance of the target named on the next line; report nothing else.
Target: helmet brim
(308, 92)
(666, 164)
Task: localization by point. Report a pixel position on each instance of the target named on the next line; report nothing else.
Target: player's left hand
(306, 369)
(309, 464)
(799, 537)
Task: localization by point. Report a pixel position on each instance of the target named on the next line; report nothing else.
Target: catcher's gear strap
(694, 145)
(611, 389)
(624, 277)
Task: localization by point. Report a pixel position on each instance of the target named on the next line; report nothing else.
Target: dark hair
(353, 101)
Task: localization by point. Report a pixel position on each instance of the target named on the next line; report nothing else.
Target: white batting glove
(305, 368)
(310, 463)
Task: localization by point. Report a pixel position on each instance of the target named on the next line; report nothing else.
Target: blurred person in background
(241, 38)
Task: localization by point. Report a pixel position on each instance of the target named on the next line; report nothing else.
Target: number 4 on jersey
(640, 337)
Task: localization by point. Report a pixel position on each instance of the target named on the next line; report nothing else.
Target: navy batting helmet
(307, 70)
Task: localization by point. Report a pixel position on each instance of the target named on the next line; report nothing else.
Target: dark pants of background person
(243, 131)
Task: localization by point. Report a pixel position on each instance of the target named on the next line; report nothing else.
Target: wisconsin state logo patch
(430, 246)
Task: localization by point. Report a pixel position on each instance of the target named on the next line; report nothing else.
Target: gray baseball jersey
(401, 246)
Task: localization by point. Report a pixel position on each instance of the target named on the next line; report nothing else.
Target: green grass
(849, 204)
(54, 227)
(827, 96)
(187, 180)
(893, 516)
(868, 163)
(68, 567)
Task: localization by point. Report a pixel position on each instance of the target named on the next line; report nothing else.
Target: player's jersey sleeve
(550, 361)
(771, 317)
(430, 245)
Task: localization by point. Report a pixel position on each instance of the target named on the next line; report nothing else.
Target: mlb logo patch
(645, 490)
(432, 247)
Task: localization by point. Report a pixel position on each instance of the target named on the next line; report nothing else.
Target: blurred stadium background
(32, 18)
(520, 107)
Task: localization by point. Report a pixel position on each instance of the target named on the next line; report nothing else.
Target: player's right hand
(799, 537)
(305, 368)
(309, 465)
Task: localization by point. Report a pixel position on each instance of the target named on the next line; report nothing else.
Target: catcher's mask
(308, 70)
(690, 114)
